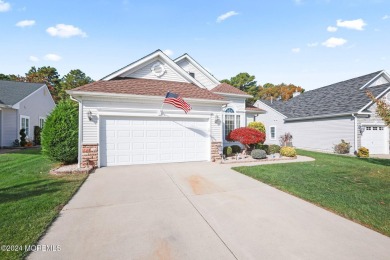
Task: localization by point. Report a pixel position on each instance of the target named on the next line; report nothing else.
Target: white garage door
(375, 139)
(125, 141)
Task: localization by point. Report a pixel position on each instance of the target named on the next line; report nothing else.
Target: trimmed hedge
(258, 126)
(288, 151)
(59, 137)
(273, 148)
(262, 147)
(363, 152)
(258, 154)
(227, 150)
(236, 149)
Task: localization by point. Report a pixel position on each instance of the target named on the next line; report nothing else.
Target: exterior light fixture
(90, 115)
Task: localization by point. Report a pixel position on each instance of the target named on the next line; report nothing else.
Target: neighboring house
(22, 105)
(320, 118)
(123, 121)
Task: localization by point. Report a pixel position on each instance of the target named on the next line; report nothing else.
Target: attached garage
(140, 140)
(376, 139)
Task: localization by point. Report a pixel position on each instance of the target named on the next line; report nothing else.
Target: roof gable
(187, 63)
(144, 65)
(339, 98)
(12, 92)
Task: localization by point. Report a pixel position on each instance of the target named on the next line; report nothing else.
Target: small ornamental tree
(246, 136)
(59, 137)
(23, 135)
(258, 126)
(382, 108)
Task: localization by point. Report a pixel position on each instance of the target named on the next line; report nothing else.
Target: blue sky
(310, 43)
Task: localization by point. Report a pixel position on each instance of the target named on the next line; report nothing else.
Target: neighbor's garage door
(375, 139)
(125, 141)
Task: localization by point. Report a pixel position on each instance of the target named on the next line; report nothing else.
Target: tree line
(49, 75)
(268, 91)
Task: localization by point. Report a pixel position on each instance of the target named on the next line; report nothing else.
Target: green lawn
(357, 189)
(30, 198)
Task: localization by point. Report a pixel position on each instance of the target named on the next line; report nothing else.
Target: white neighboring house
(320, 118)
(22, 105)
(122, 121)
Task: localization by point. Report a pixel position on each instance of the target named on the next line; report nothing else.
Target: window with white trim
(41, 122)
(25, 123)
(272, 131)
(232, 121)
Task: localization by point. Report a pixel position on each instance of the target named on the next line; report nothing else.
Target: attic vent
(192, 74)
(158, 69)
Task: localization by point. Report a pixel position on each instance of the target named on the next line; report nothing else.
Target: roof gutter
(76, 94)
(234, 95)
(315, 117)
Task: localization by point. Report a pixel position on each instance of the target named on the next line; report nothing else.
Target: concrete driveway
(199, 211)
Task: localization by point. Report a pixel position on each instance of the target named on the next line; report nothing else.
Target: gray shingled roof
(11, 92)
(339, 98)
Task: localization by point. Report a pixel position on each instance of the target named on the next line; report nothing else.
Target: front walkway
(199, 211)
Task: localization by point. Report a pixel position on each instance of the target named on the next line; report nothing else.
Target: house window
(272, 130)
(232, 121)
(25, 123)
(41, 122)
(192, 74)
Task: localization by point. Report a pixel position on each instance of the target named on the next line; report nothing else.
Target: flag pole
(162, 105)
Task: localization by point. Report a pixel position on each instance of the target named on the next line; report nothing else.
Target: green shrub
(258, 154)
(236, 149)
(37, 135)
(288, 151)
(258, 126)
(363, 152)
(262, 147)
(60, 134)
(342, 148)
(23, 135)
(227, 150)
(16, 143)
(273, 148)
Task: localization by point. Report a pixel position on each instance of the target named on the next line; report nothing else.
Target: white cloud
(52, 57)
(225, 16)
(331, 29)
(25, 23)
(357, 24)
(33, 58)
(65, 31)
(312, 44)
(386, 17)
(168, 52)
(334, 42)
(295, 50)
(4, 6)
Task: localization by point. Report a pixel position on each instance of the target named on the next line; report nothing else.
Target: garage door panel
(375, 138)
(126, 141)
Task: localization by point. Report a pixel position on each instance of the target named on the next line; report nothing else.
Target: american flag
(177, 101)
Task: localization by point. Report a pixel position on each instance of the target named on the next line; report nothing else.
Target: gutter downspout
(80, 129)
(355, 132)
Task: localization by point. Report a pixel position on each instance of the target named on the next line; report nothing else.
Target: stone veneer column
(214, 151)
(89, 155)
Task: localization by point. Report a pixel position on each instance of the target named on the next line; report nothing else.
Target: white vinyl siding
(199, 76)
(25, 124)
(322, 134)
(145, 72)
(381, 80)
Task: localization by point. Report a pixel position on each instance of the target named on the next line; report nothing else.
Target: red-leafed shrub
(246, 136)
